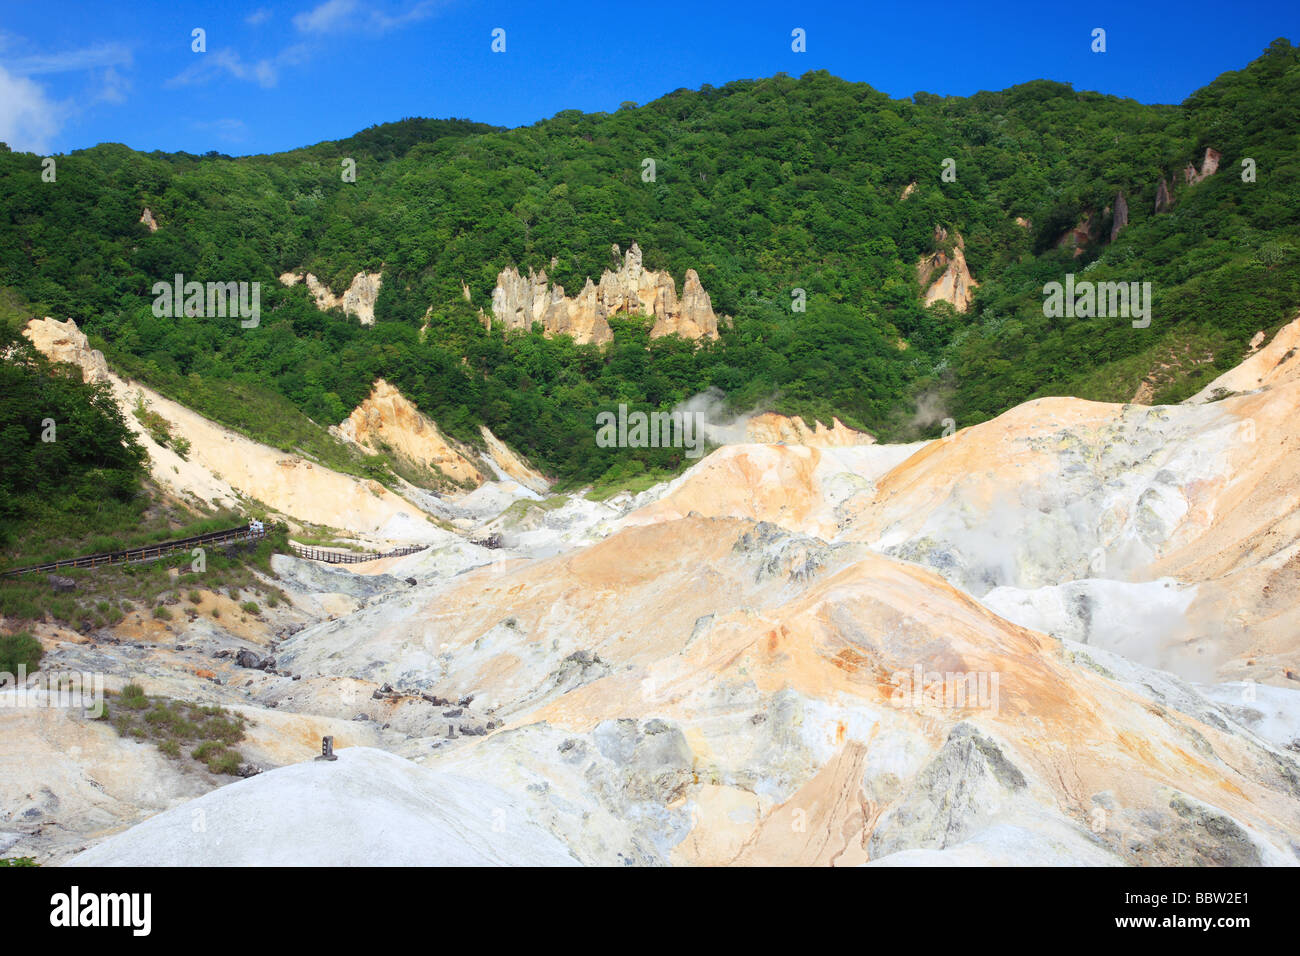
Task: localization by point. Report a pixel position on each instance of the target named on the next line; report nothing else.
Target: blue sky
(279, 74)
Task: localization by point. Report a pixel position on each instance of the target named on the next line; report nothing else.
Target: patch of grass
(196, 597)
(18, 861)
(162, 613)
(207, 732)
(611, 485)
(20, 648)
(250, 607)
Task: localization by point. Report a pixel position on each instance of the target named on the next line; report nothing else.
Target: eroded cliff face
(386, 422)
(771, 428)
(359, 299)
(225, 469)
(1277, 363)
(64, 342)
(519, 301)
(955, 284)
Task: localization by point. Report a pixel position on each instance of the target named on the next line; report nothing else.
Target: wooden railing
(148, 552)
(152, 552)
(348, 557)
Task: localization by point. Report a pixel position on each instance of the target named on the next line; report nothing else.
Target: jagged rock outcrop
(519, 301)
(64, 342)
(1163, 199)
(1191, 176)
(955, 285)
(147, 220)
(908, 190)
(387, 422)
(770, 428)
(1119, 218)
(359, 299)
(1209, 166)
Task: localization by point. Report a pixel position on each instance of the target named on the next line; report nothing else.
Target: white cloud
(101, 55)
(264, 72)
(258, 16)
(28, 118)
(328, 17)
(335, 16)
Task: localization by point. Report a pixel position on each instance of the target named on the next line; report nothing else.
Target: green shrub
(250, 607)
(162, 613)
(20, 648)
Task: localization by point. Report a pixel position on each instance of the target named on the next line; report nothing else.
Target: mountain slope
(779, 192)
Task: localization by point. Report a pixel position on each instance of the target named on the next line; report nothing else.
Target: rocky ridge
(519, 301)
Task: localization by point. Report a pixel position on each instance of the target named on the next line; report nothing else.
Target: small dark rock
(60, 583)
(454, 712)
(411, 582)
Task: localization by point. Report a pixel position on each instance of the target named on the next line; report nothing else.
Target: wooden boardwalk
(348, 557)
(148, 552)
(213, 539)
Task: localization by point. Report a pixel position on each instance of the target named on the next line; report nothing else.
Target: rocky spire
(1119, 218)
(519, 301)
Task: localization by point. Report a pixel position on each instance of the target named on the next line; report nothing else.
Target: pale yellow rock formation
(770, 427)
(223, 467)
(512, 466)
(64, 342)
(387, 422)
(358, 300)
(1275, 364)
(955, 284)
(519, 301)
(147, 219)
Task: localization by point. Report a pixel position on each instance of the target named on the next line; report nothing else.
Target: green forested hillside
(761, 186)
